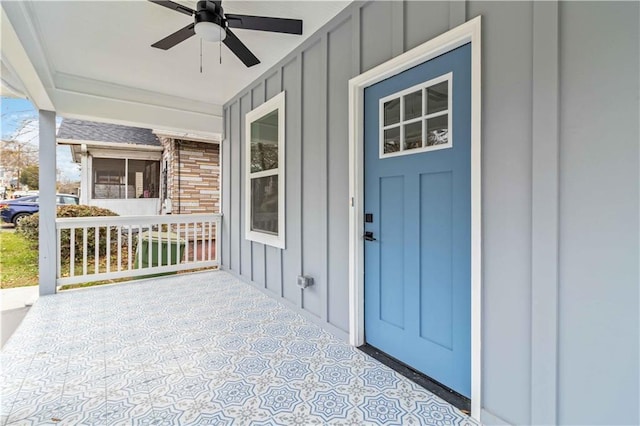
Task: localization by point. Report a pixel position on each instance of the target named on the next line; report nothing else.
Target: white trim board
(16, 58)
(114, 145)
(214, 138)
(276, 103)
(469, 32)
(423, 118)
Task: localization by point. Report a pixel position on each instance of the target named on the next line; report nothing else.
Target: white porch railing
(103, 248)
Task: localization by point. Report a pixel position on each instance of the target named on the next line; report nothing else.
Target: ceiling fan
(212, 24)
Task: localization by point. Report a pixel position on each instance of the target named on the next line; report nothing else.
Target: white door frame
(469, 32)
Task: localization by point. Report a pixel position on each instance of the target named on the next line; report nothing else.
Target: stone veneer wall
(195, 187)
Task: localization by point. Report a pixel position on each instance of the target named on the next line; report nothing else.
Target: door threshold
(459, 401)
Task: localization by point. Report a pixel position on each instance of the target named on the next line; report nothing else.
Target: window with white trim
(264, 173)
(417, 119)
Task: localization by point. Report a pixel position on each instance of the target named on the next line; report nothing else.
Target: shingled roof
(102, 132)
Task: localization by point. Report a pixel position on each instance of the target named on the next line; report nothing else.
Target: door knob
(368, 236)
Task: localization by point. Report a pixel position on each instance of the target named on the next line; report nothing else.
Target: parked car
(19, 194)
(13, 211)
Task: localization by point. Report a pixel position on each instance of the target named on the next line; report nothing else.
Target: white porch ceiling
(95, 61)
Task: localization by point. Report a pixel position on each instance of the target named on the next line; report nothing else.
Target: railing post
(218, 242)
(58, 253)
(85, 247)
(72, 251)
(108, 253)
(96, 249)
(129, 247)
(119, 248)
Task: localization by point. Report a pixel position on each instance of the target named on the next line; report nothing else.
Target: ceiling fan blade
(175, 38)
(240, 50)
(174, 6)
(264, 23)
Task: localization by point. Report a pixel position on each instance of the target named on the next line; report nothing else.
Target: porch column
(84, 181)
(47, 238)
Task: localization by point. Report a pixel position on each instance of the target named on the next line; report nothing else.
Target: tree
(16, 155)
(30, 176)
(68, 187)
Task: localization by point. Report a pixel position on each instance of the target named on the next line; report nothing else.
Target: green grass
(18, 261)
(19, 264)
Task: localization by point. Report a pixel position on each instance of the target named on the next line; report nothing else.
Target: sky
(20, 122)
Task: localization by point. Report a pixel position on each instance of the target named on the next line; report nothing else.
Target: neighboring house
(192, 175)
(133, 171)
(8, 176)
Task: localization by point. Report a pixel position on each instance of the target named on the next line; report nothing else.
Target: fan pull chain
(200, 56)
(220, 47)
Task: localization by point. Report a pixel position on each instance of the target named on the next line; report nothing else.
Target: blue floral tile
(91, 411)
(168, 416)
(231, 342)
(193, 408)
(276, 329)
(381, 410)
(280, 399)
(234, 393)
(335, 375)
(330, 405)
(245, 327)
(214, 361)
(438, 413)
(293, 370)
(252, 366)
(340, 352)
(119, 411)
(309, 332)
(189, 387)
(196, 349)
(217, 419)
(142, 414)
(265, 345)
(380, 379)
(302, 349)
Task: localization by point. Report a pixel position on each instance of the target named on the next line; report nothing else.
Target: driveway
(14, 303)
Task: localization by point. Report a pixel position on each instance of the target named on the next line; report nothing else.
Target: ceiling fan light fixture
(212, 24)
(210, 31)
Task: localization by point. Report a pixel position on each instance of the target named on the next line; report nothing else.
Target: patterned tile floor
(195, 349)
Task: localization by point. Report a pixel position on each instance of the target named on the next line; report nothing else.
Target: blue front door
(418, 218)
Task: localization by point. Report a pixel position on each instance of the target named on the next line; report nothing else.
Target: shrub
(29, 228)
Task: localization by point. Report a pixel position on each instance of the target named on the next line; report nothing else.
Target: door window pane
(392, 140)
(264, 204)
(438, 97)
(392, 112)
(413, 135)
(438, 130)
(264, 143)
(413, 105)
(416, 119)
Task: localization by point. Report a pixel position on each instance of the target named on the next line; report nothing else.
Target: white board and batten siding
(560, 188)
